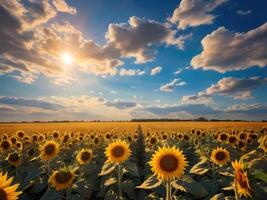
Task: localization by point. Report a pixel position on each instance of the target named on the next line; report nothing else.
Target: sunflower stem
(68, 195)
(48, 167)
(213, 173)
(236, 193)
(168, 190)
(119, 180)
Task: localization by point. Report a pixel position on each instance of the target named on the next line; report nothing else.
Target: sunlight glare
(67, 58)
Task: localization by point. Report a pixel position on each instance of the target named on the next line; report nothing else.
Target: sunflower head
(220, 156)
(49, 150)
(8, 191)
(241, 180)
(84, 156)
(14, 159)
(62, 179)
(168, 163)
(5, 144)
(118, 151)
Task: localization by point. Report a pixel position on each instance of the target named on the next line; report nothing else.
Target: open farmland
(130, 160)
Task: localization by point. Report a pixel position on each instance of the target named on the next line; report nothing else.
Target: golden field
(107, 126)
(133, 160)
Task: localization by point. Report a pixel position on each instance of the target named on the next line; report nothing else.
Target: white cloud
(243, 12)
(224, 50)
(236, 88)
(178, 71)
(113, 92)
(194, 13)
(155, 70)
(137, 38)
(131, 72)
(171, 85)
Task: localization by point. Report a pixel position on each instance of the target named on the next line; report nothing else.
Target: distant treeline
(201, 119)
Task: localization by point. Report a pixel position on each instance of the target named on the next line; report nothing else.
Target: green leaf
(110, 181)
(258, 168)
(132, 168)
(150, 183)
(128, 188)
(220, 196)
(51, 195)
(178, 186)
(107, 168)
(260, 175)
(192, 187)
(248, 156)
(110, 195)
(201, 167)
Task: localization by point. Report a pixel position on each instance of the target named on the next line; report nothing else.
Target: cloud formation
(168, 87)
(138, 38)
(236, 88)
(191, 13)
(32, 44)
(131, 72)
(194, 109)
(119, 104)
(243, 12)
(155, 70)
(224, 50)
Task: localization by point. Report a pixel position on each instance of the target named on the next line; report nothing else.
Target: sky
(125, 59)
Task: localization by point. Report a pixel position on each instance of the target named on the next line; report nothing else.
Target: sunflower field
(135, 161)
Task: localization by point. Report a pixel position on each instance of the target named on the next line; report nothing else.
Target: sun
(67, 58)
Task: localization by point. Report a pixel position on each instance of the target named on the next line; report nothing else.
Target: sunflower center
(85, 156)
(118, 151)
(241, 179)
(14, 157)
(63, 177)
(220, 156)
(50, 149)
(5, 145)
(232, 139)
(223, 136)
(153, 140)
(169, 163)
(3, 195)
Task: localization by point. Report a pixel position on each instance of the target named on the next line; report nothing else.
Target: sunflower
(263, 143)
(118, 151)
(14, 159)
(84, 156)
(49, 150)
(62, 179)
(5, 145)
(220, 156)
(241, 180)
(232, 140)
(168, 163)
(8, 191)
(223, 137)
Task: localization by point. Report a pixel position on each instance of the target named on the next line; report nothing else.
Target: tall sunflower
(241, 179)
(220, 156)
(118, 151)
(62, 179)
(49, 150)
(8, 191)
(168, 163)
(84, 156)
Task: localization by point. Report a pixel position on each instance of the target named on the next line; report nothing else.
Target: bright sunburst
(67, 58)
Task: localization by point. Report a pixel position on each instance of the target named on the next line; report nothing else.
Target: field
(130, 160)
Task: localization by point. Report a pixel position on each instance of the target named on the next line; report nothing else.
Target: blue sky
(84, 60)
